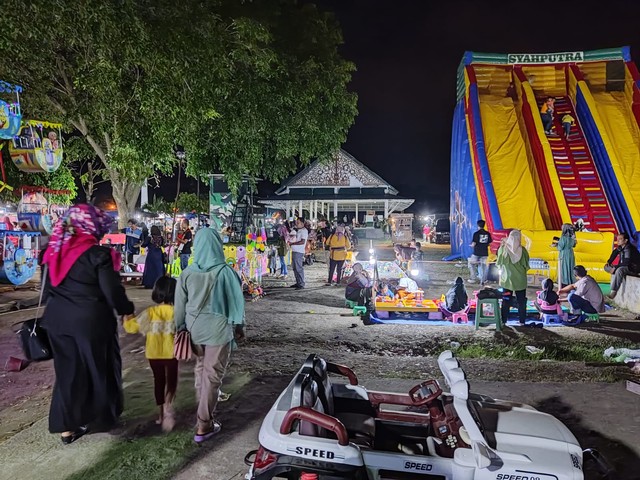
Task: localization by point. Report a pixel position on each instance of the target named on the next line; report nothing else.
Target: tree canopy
(247, 87)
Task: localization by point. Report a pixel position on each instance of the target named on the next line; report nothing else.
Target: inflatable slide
(508, 171)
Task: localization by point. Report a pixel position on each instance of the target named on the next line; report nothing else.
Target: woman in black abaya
(154, 264)
(83, 290)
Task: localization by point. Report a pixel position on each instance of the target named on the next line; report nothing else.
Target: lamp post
(180, 155)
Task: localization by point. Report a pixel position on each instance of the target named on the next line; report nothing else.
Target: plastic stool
(350, 303)
(460, 317)
(551, 319)
(359, 310)
(494, 304)
(591, 317)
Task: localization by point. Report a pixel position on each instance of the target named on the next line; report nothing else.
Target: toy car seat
(357, 424)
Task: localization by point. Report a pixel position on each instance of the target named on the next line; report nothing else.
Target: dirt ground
(283, 328)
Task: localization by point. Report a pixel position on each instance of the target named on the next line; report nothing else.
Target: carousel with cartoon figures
(35, 147)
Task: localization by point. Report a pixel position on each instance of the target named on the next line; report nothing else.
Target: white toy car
(318, 429)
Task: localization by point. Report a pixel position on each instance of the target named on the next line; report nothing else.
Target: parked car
(443, 231)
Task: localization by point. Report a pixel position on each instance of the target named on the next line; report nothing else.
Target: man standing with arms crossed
(297, 253)
(480, 244)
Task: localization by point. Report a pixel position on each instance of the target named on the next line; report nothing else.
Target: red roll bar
(320, 419)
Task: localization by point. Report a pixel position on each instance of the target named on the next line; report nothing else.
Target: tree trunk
(125, 194)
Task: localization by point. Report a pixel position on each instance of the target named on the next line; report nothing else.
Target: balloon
(250, 248)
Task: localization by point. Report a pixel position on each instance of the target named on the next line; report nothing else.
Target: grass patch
(143, 452)
(559, 350)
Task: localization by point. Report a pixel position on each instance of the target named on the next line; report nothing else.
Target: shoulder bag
(33, 338)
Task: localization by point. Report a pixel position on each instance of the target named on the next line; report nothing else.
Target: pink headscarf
(74, 233)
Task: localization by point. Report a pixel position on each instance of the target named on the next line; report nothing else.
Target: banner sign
(532, 58)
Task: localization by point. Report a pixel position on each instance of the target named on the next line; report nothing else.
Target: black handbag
(33, 338)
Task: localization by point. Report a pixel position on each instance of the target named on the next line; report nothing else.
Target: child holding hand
(157, 324)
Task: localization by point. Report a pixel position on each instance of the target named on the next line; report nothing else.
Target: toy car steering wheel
(425, 393)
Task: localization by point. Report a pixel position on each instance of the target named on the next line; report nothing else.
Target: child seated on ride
(456, 299)
(547, 300)
(384, 290)
(157, 324)
(359, 286)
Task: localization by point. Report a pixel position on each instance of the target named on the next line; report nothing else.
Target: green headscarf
(207, 251)
(208, 256)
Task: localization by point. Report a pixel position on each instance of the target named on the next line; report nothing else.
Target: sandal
(203, 437)
(74, 436)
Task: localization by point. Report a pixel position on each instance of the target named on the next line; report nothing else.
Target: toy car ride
(321, 429)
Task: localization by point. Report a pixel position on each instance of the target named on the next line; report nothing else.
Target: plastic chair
(493, 305)
(350, 303)
(460, 317)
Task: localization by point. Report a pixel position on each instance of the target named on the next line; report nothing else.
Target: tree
(87, 168)
(190, 202)
(286, 97)
(157, 207)
(246, 87)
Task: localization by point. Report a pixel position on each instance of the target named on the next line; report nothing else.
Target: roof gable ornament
(341, 171)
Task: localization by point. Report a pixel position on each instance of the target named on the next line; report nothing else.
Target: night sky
(407, 52)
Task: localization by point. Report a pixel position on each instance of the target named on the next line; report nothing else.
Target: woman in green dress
(566, 258)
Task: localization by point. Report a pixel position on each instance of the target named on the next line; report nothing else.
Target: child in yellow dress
(157, 324)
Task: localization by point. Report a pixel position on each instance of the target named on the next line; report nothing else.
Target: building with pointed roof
(335, 187)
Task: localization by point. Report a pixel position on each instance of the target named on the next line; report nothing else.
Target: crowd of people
(582, 292)
(84, 293)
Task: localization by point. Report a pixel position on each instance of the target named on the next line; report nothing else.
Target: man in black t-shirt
(478, 261)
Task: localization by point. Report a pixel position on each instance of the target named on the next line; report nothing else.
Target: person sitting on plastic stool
(547, 300)
(359, 286)
(584, 294)
(456, 299)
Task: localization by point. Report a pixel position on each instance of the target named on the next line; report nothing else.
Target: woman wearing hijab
(513, 260)
(154, 264)
(456, 298)
(338, 244)
(209, 303)
(566, 258)
(83, 290)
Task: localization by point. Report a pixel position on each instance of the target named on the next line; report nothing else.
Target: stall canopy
(337, 187)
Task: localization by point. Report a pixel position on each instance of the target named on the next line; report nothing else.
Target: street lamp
(180, 154)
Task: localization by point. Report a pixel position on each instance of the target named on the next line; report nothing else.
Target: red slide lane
(577, 172)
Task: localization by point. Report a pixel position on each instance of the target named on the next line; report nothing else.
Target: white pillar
(144, 194)
(300, 208)
(386, 208)
(335, 209)
(357, 213)
(288, 211)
